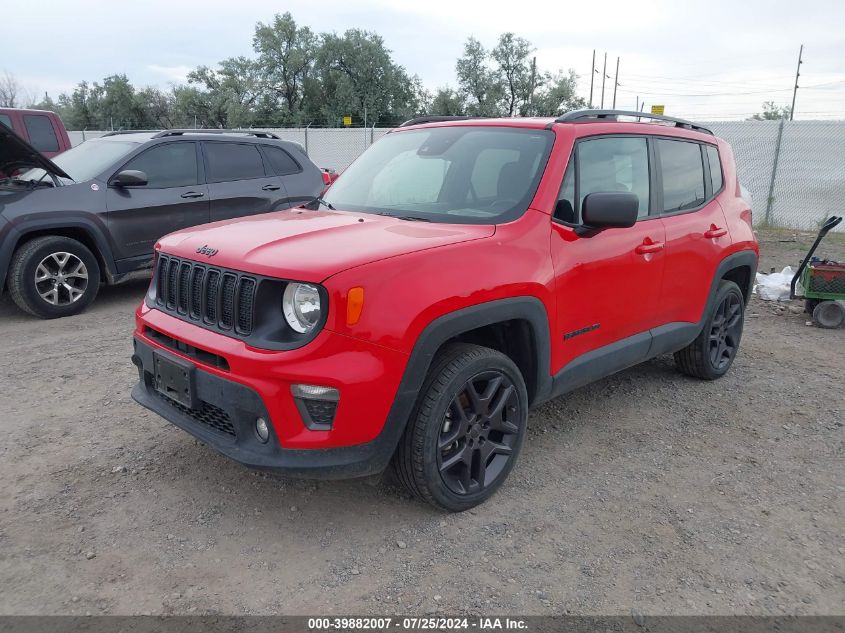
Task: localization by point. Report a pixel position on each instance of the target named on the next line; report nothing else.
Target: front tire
(466, 430)
(53, 276)
(712, 353)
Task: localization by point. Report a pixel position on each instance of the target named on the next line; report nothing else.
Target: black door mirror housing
(605, 210)
(129, 178)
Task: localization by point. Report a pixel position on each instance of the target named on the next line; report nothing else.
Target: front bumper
(370, 416)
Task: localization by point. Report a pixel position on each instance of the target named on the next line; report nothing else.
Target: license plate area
(174, 379)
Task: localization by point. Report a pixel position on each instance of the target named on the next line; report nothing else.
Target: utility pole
(797, 74)
(603, 76)
(592, 76)
(615, 83)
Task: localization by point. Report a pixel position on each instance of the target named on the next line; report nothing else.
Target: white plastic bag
(774, 287)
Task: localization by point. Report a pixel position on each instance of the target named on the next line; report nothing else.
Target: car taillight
(329, 176)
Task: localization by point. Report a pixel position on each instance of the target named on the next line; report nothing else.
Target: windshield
(85, 161)
(471, 175)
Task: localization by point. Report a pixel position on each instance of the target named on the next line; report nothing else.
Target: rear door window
(683, 175)
(6, 120)
(168, 165)
(42, 136)
(281, 162)
(233, 161)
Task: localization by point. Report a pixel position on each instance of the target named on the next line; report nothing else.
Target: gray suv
(94, 213)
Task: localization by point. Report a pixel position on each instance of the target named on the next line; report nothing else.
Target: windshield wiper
(410, 218)
(319, 201)
(32, 184)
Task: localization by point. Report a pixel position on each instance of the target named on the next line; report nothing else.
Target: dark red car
(458, 273)
(42, 129)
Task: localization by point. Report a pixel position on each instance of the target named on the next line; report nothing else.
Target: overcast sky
(719, 59)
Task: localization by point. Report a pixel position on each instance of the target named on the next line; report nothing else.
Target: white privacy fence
(795, 170)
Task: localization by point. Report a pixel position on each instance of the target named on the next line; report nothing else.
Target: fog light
(261, 430)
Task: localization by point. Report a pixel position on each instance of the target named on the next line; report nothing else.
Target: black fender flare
(446, 327)
(16, 232)
(735, 260)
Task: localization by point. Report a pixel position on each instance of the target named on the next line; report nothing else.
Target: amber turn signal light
(354, 305)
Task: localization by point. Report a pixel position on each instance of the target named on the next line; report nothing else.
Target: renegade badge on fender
(458, 273)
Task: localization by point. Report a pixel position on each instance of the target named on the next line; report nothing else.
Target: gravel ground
(647, 491)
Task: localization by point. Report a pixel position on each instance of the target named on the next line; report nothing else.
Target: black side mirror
(605, 210)
(129, 178)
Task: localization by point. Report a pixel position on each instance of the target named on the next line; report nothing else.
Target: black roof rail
(116, 132)
(586, 114)
(256, 133)
(434, 119)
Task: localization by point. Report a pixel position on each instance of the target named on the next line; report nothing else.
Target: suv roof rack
(581, 115)
(434, 119)
(180, 132)
(116, 132)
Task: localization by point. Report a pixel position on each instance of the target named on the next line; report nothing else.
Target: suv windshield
(467, 174)
(85, 161)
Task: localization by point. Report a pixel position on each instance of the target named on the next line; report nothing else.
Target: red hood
(313, 245)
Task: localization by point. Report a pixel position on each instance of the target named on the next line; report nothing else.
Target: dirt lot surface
(647, 491)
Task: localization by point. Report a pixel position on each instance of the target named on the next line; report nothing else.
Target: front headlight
(301, 305)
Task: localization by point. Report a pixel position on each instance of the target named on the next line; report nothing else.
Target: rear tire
(712, 353)
(53, 276)
(829, 314)
(466, 429)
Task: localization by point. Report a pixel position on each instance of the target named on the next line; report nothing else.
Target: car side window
(683, 175)
(281, 162)
(6, 120)
(168, 165)
(233, 161)
(715, 167)
(42, 136)
(614, 163)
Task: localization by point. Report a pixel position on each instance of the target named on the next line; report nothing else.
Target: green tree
(558, 95)
(771, 112)
(230, 92)
(286, 57)
(358, 77)
(447, 102)
(79, 108)
(516, 72)
(478, 84)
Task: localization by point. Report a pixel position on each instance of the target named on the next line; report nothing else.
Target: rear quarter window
(715, 167)
(6, 120)
(42, 136)
(281, 162)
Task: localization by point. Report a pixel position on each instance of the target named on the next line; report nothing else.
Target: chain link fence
(794, 170)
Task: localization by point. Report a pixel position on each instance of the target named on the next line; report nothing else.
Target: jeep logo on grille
(205, 250)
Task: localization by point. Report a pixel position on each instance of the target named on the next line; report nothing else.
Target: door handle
(649, 247)
(270, 187)
(193, 194)
(715, 231)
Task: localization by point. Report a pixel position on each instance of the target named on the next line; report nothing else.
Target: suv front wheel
(53, 276)
(467, 428)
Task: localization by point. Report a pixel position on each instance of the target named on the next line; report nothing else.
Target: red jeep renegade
(457, 274)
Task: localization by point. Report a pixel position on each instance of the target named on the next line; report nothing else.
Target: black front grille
(214, 296)
(208, 415)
